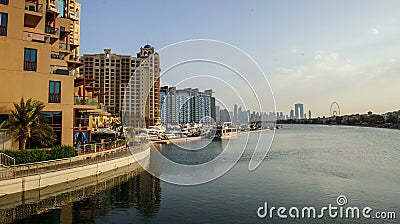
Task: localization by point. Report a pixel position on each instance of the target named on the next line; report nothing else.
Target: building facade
(129, 84)
(299, 111)
(39, 56)
(186, 106)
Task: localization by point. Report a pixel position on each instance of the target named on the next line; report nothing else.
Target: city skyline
(323, 50)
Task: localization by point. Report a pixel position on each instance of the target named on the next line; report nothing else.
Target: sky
(312, 52)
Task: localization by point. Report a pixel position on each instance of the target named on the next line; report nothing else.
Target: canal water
(306, 166)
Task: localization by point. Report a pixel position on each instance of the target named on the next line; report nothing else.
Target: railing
(57, 56)
(78, 100)
(3, 30)
(74, 58)
(6, 160)
(65, 47)
(52, 7)
(54, 98)
(78, 75)
(30, 169)
(51, 30)
(101, 106)
(30, 66)
(73, 17)
(97, 147)
(61, 72)
(33, 8)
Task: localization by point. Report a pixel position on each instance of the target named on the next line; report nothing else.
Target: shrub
(63, 151)
(39, 155)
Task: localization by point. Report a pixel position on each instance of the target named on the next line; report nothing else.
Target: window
(54, 92)
(30, 59)
(61, 8)
(4, 2)
(81, 119)
(77, 16)
(3, 24)
(55, 121)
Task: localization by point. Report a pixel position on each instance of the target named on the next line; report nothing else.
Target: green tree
(393, 119)
(25, 122)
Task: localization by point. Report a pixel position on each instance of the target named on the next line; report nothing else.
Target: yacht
(225, 131)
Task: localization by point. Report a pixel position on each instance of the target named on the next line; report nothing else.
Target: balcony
(52, 8)
(33, 7)
(57, 56)
(33, 14)
(64, 47)
(74, 62)
(62, 72)
(51, 30)
(72, 17)
(64, 33)
(91, 101)
(65, 71)
(74, 58)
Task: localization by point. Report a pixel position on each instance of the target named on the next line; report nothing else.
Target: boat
(225, 131)
(155, 131)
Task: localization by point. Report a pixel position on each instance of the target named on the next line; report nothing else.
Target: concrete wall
(64, 176)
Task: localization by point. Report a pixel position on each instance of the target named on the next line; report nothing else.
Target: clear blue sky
(313, 52)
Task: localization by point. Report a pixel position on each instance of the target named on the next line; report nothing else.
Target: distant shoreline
(347, 125)
(187, 139)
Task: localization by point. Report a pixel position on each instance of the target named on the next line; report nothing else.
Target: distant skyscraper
(281, 117)
(240, 116)
(230, 116)
(186, 105)
(292, 114)
(217, 114)
(235, 113)
(309, 114)
(224, 115)
(299, 111)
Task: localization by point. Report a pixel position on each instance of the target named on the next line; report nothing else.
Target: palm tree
(25, 122)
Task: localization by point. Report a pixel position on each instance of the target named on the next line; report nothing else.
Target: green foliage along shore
(39, 155)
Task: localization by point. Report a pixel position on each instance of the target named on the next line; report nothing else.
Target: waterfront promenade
(25, 177)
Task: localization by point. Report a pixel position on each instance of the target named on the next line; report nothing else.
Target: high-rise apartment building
(186, 105)
(39, 54)
(299, 111)
(217, 114)
(235, 114)
(292, 114)
(136, 78)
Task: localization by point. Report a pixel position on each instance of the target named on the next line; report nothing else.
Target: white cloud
(325, 60)
(374, 31)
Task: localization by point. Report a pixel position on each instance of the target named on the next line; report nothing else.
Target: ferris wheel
(335, 109)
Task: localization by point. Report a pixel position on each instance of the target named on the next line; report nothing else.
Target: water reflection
(179, 153)
(142, 192)
(83, 202)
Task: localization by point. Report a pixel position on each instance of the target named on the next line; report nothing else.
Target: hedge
(39, 155)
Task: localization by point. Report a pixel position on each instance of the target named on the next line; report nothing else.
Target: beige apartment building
(129, 84)
(39, 59)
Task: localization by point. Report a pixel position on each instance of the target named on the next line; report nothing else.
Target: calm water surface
(306, 166)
